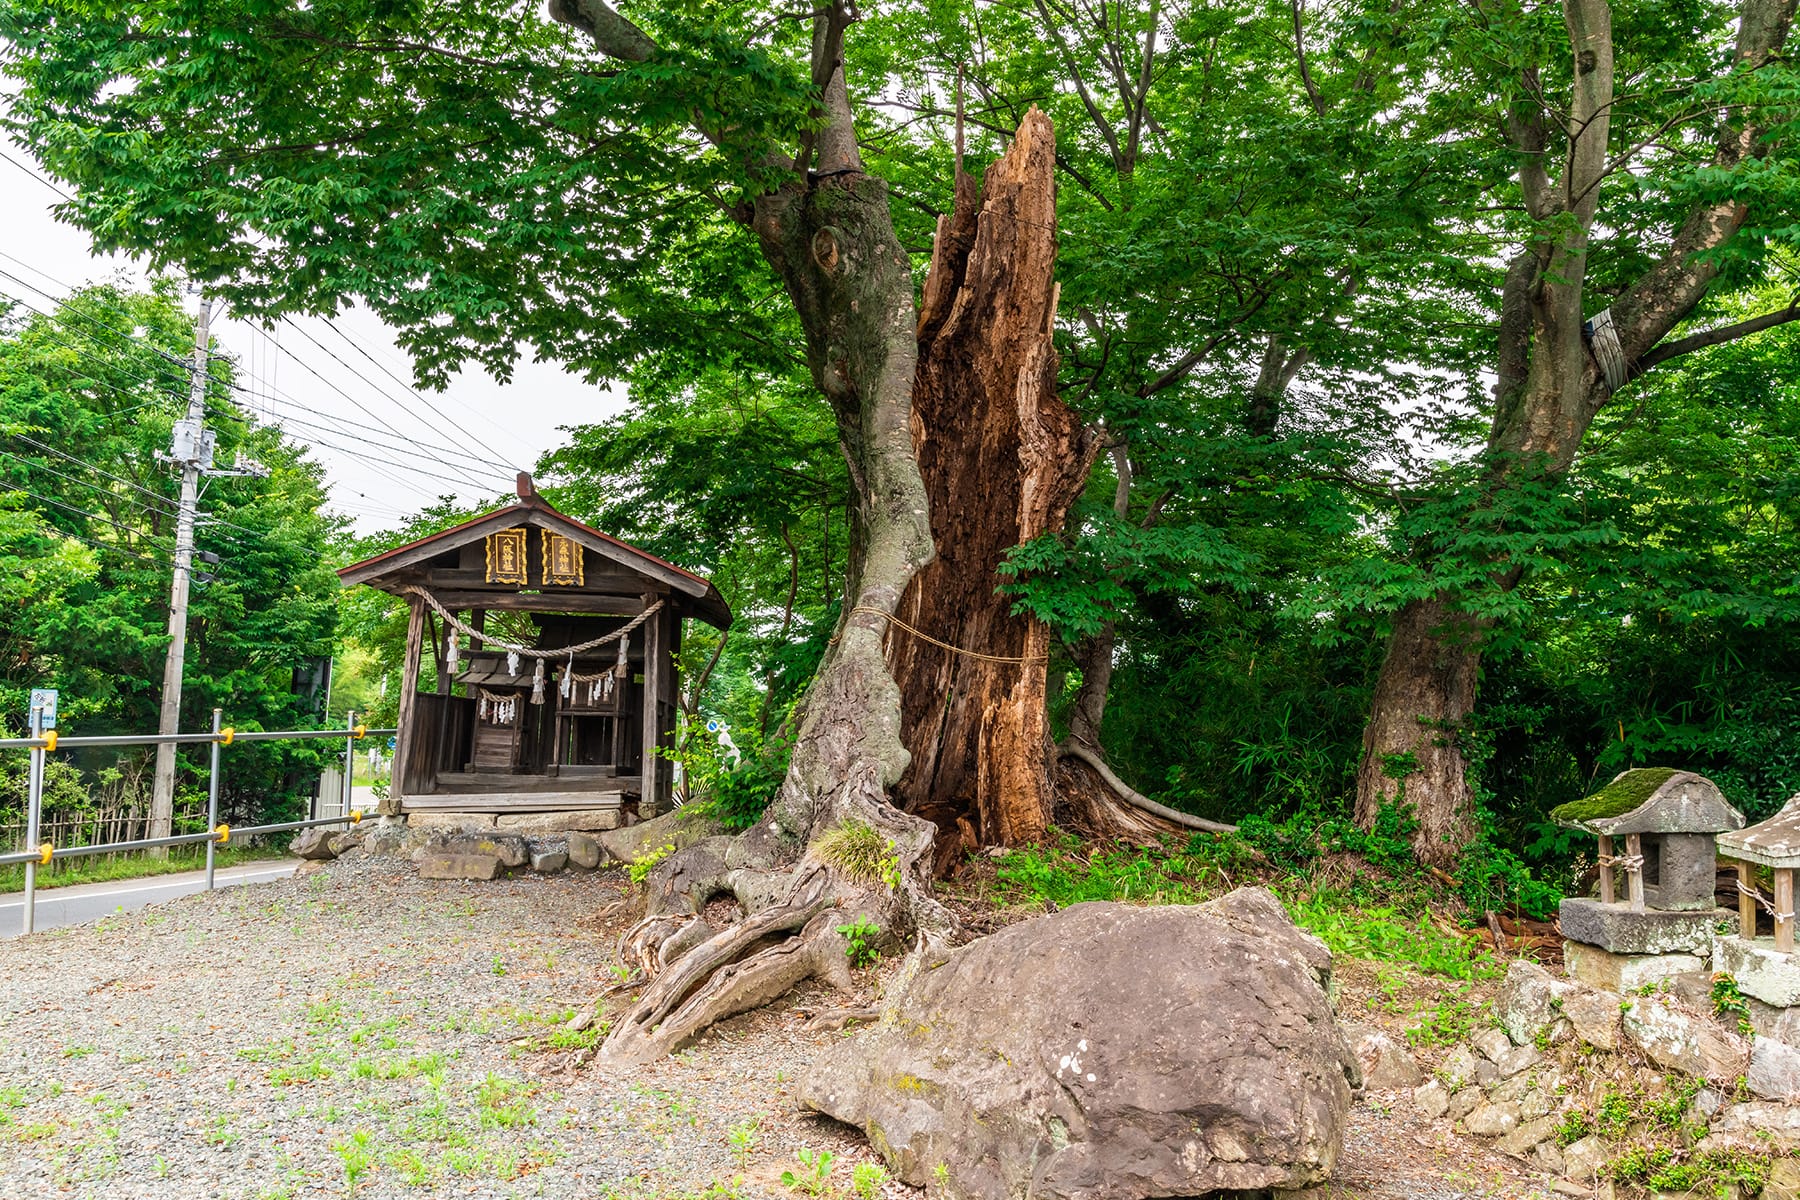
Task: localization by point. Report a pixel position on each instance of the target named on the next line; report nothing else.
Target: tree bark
(1002, 459)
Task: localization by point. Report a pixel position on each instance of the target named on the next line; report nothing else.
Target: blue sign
(44, 699)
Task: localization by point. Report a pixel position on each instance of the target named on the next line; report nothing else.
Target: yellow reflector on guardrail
(44, 853)
(224, 832)
(226, 734)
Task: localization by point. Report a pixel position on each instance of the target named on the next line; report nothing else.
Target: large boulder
(1107, 1052)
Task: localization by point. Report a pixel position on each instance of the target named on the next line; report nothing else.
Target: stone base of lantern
(1760, 970)
(1621, 930)
(1625, 973)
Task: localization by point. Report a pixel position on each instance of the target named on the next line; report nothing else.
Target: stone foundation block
(586, 821)
(450, 820)
(1623, 973)
(1615, 927)
(440, 865)
(1760, 971)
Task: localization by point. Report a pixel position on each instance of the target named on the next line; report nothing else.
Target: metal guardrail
(45, 742)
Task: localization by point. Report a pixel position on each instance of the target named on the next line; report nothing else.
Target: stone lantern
(1669, 822)
(1765, 968)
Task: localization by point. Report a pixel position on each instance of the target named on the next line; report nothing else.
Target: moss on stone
(1616, 799)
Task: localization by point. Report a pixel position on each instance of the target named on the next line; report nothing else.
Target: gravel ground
(360, 1026)
(359, 1031)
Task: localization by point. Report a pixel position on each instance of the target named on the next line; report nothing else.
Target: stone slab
(547, 862)
(1774, 1072)
(1615, 927)
(1623, 973)
(1760, 970)
(450, 820)
(585, 821)
(436, 864)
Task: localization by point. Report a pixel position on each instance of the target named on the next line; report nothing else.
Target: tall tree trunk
(1002, 459)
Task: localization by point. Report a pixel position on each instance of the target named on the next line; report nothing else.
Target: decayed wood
(409, 692)
(1607, 894)
(1002, 459)
(1138, 800)
(1746, 877)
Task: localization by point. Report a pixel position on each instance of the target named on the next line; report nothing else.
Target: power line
(420, 396)
(92, 516)
(15, 162)
(80, 482)
(468, 477)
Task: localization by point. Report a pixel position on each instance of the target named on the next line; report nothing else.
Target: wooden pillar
(1634, 848)
(1746, 901)
(1784, 907)
(1607, 892)
(409, 702)
(477, 622)
(654, 767)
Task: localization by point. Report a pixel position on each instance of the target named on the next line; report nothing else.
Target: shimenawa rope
(926, 637)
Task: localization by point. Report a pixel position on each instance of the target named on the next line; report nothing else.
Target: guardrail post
(33, 814)
(349, 762)
(212, 796)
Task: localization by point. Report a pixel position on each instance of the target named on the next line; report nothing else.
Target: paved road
(91, 901)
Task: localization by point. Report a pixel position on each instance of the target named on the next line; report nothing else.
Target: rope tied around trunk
(942, 645)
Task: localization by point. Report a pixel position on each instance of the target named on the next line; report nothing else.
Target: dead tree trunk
(1554, 370)
(1002, 459)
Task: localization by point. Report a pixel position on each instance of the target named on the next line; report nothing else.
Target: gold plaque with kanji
(506, 557)
(562, 560)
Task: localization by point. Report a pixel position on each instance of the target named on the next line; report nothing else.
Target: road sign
(45, 700)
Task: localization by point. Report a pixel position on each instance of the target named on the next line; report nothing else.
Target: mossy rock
(1629, 791)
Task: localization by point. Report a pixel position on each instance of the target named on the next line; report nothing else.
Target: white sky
(511, 424)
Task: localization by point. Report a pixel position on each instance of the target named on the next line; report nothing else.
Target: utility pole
(192, 452)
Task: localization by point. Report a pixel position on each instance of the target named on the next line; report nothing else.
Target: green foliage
(866, 1180)
(88, 396)
(1728, 1001)
(1447, 1022)
(862, 941)
(734, 796)
(640, 867)
(812, 1179)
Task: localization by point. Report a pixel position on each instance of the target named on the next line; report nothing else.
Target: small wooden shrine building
(559, 711)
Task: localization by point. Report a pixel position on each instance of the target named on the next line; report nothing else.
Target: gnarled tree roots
(700, 973)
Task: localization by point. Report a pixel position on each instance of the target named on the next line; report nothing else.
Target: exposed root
(655, 941)
(1152, 816)
(741, 968)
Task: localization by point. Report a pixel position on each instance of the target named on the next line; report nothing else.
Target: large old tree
(1650, 149)
(481, 177)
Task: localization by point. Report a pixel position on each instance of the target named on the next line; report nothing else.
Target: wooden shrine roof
(1773, 843)
(398, 568)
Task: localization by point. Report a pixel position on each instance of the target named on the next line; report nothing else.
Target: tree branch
(1716, 337)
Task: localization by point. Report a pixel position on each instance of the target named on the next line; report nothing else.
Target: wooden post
(477, 622)
(409, 700)
(1607, 894)
(440, 653)
(1746, 901)
(1634, 848)
(1784, 907)
(653, 767)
